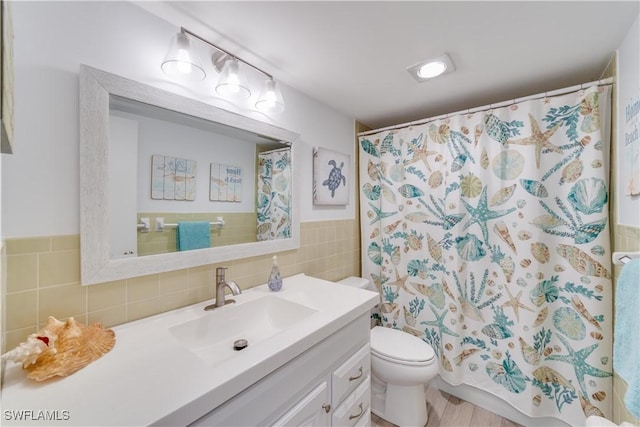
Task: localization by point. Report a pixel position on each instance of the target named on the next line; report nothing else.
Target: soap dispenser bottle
(275, 281)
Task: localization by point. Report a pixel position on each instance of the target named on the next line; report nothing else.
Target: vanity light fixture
(233, 83)
(270, 98)
(182, 62)
(432, 67)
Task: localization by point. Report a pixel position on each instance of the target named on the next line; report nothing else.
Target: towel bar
(217, 224)
(621, 258)
(143, 225)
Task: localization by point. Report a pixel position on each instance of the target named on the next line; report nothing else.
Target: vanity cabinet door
(311, 410)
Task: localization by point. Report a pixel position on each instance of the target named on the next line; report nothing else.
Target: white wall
(628, 89)
(40, 190)
(204, 147)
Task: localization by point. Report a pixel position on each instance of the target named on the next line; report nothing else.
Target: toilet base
(400, 405)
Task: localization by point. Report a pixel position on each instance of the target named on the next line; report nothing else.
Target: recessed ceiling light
(432, 67)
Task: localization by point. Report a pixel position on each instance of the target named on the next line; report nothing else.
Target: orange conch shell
(28, 352)
(76, 346)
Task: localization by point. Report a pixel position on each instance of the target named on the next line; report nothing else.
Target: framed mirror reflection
(168, 182)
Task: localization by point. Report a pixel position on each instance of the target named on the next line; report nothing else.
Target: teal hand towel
(626, 336)
(193, 235)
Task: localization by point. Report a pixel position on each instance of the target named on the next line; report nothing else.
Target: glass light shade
(232, 83)
(432, 69)
(180, 61)
(270, 99)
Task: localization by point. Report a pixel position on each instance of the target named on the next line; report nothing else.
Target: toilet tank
(362, 283)
(358, 282)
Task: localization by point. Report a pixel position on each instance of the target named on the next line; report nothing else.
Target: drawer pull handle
(326, 407)
(356, 377)
(351, 417)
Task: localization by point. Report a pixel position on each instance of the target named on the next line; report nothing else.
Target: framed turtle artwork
(331, 177)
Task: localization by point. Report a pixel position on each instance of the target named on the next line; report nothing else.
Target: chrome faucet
(221, 284)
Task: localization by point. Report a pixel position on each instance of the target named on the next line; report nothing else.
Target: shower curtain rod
(563, 91)
(275, 150)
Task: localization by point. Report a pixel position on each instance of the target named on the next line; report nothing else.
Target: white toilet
(401, 366)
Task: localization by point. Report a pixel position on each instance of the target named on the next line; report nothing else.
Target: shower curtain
(274, 195)
(487, 236)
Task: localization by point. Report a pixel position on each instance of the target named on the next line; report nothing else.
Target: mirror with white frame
(110, 211)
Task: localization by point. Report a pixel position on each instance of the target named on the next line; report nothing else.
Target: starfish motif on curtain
(439, 323)
(578, 359)
(377, 214)
(514, 302)
(539, 139)
(481, 214)
(401, 282)
(420, 153)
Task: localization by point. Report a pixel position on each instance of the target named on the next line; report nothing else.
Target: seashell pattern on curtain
(274, 195)
(487, 236)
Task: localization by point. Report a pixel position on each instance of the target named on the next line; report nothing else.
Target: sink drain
(240, 344)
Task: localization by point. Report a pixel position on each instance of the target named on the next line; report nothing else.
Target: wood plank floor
(446, 410)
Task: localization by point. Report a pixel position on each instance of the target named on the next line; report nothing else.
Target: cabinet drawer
(365, 419)
(351, 373)
(354, 406)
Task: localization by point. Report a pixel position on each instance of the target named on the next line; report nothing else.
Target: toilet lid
(399, 345)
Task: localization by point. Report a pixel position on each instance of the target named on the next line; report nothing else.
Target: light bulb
(232, 83)
(270, 100)
(183, 61)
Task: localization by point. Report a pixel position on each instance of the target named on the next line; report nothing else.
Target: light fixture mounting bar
(184, 30)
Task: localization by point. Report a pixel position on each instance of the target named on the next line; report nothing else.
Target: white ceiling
(353, 55)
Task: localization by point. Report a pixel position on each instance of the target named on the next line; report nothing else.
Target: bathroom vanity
(307, 362)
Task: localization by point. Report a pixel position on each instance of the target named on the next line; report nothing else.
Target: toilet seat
(400, 347)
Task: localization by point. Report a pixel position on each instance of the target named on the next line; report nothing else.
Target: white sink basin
(211, 336)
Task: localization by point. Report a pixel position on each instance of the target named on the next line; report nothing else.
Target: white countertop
(149, 377)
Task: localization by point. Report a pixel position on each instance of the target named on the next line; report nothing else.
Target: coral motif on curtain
(487, 236)
(274, 195)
